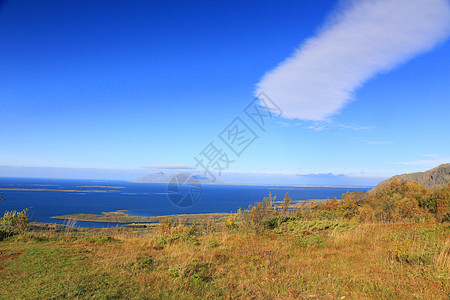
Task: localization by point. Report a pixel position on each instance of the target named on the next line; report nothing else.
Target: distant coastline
(122, 216)
(271, 185)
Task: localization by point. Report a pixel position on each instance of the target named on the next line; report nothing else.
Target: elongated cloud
(172, 166)
(365, 38)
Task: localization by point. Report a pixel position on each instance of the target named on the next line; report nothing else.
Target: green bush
(13, 222)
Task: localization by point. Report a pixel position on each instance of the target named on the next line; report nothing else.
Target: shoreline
(121, 216)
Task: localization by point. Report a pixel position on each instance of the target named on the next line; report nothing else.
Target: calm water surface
(140, 199)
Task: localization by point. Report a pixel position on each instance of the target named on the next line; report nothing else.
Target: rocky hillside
(434, 178)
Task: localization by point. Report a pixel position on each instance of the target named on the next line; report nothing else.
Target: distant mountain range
(434, 178)
(162, 177)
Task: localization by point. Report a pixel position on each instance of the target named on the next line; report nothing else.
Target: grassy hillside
(365, 246)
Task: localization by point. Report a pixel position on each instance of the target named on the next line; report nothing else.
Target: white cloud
(369, 142)
(378, 142)
(363, 39)
(171, 167)
(430, 155)
(319, 126)
(430, 163)
(322, 125)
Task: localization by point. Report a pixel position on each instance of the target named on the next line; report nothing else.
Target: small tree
(269, 203)
(286, 203)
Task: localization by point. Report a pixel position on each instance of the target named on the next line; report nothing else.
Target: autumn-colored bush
(394, 202)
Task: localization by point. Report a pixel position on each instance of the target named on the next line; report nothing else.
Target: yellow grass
(378, 261)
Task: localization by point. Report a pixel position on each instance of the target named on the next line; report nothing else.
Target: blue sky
(119, 89)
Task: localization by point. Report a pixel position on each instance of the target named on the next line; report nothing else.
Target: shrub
(170, 231)
(256, 216)
(214, 244)
(231, 221)
(397, 201)
(446, 217)
(13, 222)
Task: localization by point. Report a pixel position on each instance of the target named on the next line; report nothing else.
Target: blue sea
(139, 199)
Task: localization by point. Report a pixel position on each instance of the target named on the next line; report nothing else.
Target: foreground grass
(309, 259)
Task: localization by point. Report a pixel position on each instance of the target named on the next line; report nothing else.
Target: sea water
(62, 197)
